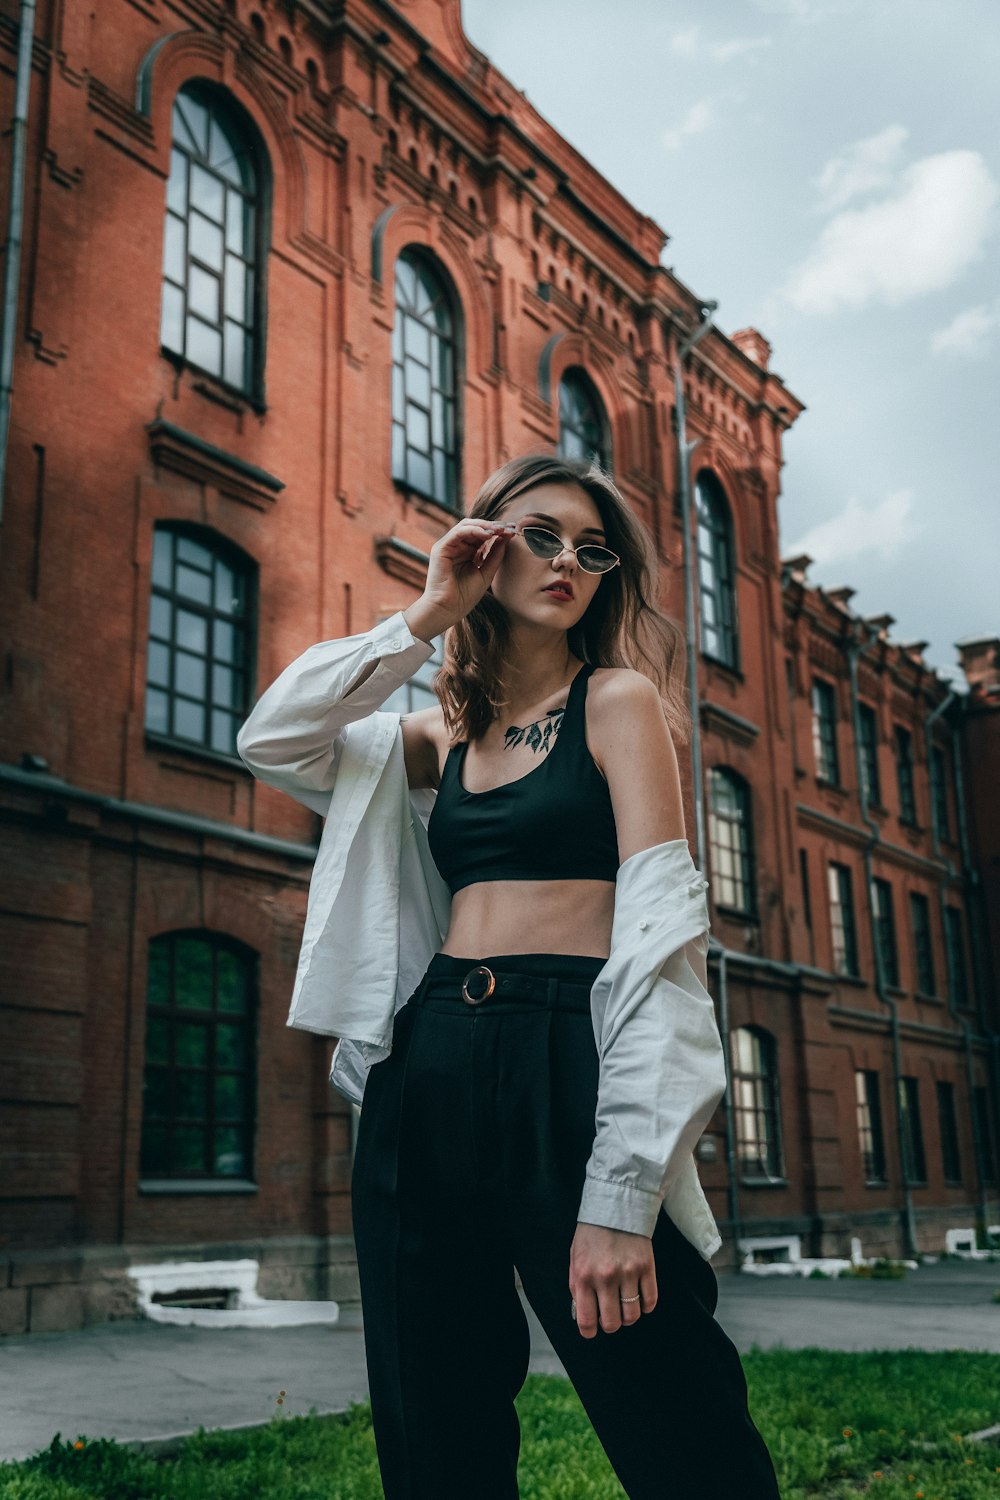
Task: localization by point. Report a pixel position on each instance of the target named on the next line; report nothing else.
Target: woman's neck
(535, 670)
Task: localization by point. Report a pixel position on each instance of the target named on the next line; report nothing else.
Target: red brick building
(294, 279)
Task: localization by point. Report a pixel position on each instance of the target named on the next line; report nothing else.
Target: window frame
(575, 379)
(951, 1150)
(868, 746)
(906, 781)
(868, 1111)
(923, 944)
(423, 263)
(741, 850)
(887, 947)
(914, 1155)
(826, 758)
(226, 553)
(764, 1103)
(840, 898)
(715, 553)
(236, 122)
(175, 1015)
(939, 793)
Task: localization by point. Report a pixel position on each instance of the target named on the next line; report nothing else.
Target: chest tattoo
(534, 735)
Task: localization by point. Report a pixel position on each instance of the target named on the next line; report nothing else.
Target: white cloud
(918, 239)
(863, 167)
(970, 333)
(807, 11)
(880, 528)
(688, 44)
(685, 43)
(698, 118)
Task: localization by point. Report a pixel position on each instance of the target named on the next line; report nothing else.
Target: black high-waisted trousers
(469, 1161)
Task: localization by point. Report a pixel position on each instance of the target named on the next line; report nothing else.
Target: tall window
(807, 914)
(923, 945)
(424, 381)
(885, 931)
(198, 1087)
(954, 941)
(197, 668)
(985, 1130)
(755, 1092)
(842, 928)
(870, 1134)
(730, 839)
(869, 753)
(939, 791)
(210, 314)
(582, 423)
(914, 1162)
(716, 572)
(824, 730)
(904, 776)
(948, 1125)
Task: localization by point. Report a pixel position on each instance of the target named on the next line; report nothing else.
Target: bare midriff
(494, 917)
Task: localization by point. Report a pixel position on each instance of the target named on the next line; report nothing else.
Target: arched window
(582, 423)
(197, 670)
(200, 1068)
(210, 315)
(730, 835)
(716, 572)
(424, 382)
(755, 1097)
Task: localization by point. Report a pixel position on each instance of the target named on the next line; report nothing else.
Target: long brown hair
(621, 627)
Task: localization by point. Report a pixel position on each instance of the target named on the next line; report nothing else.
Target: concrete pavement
(142, 1381)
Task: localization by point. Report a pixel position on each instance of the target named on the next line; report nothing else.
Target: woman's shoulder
(615, 688)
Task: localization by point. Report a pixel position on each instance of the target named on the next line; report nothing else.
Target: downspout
(15, 229)
(854, 651)
(684, 451)
(960, 1021)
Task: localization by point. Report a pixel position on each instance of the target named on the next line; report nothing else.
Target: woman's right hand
(462, 565)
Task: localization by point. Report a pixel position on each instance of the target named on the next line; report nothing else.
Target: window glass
(730, 840)
(209, 249)
(424, 425)
(582, 422)
(198, 1082)
(197, 667)
(755, 1094)
(716, 572)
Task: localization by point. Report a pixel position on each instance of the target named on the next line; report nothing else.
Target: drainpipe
(684, 451)
(15, 228)
(961, 1022)
(723, 955)
(855, 650)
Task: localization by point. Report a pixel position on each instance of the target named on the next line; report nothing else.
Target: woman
(507, 934)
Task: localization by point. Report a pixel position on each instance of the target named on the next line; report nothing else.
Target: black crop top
(554, 823)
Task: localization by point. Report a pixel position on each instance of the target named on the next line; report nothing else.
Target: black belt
(480, 985)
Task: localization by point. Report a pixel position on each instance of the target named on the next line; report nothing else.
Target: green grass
(887, 1425)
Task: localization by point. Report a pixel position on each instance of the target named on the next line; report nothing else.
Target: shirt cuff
(619, 1205)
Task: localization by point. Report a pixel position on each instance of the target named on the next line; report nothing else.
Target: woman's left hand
(604, 1266)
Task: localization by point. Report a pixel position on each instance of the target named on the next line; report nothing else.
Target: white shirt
(378, 910)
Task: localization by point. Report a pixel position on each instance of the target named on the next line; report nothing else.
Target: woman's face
(523, 583)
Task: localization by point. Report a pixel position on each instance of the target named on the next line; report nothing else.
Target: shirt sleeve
(291, 738)
(662, 1068)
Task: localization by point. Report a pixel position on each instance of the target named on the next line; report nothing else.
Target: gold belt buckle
(478, 999)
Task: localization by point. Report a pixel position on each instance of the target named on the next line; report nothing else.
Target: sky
(829, 172)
